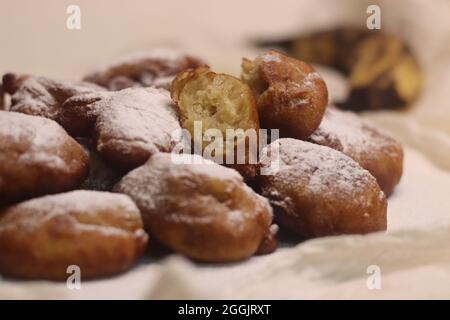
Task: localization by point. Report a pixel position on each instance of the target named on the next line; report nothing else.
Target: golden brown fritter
(37, 157)
(198, 208)
(290, 95)
(99, 232)
(128, 125)
(317, 191)
(42, 96)
(374, 150)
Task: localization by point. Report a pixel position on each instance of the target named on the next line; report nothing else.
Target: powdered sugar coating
(86, 207)
(156, 68)
(99, 232)
(308, 80)
(322, 169)
(270, 58)
(130, 124)
(318, 191)
(348, 133)
(373, 149)
(37, 157)
(142, 118)
(40, 139)
(148, 183)
(200, 209)
(42, 96)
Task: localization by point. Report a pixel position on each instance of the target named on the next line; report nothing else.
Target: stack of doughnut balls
(88, 176)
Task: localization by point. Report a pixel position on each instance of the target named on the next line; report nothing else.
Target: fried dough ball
(99, 232)
(129, 125)
(290, 95)
(154, 68)
(41, 96)
(317, 191)
(219, 102)
(375, 151)
(198, 208)
(37, 157)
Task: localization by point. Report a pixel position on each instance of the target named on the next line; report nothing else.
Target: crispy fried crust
(155, 68)
(37, 157)
(219, 102)
(41, 96)
(318, 191)
(128, 125)
(291, 95)
(374, 150)
(204, 211)
(99, 232)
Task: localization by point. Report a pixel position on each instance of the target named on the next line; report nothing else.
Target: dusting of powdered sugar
(34, 98)
(42, 96)
(39, 138)
(298, 101)
(193, 164)
(316, 169)
(308, 80)
(81, 201)
(149, 186)
(306, 85)
(144, 184)
(83, 206)
(142, 118)
(237, 218)
(296, 88)
(348, 133)
(270, 58)
(154, 68)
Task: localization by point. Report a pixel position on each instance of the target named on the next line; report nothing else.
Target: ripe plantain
(381, 70)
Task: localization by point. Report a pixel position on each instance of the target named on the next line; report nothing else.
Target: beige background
(35, 38)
